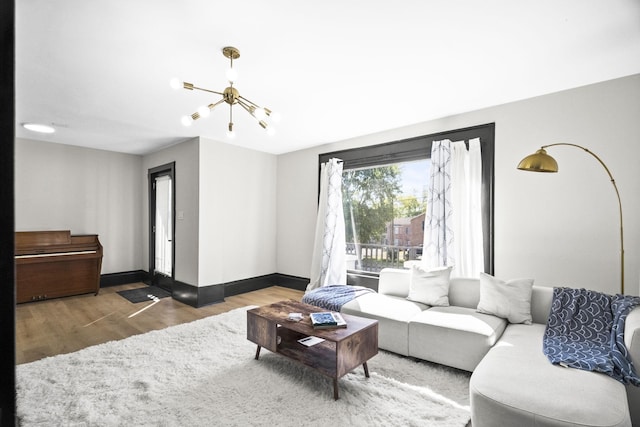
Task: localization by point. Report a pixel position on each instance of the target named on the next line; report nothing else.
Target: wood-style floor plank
(64, 325)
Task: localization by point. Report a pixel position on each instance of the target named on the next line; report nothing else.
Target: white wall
(185, 156)
(237, 213)
(86, 191)
(227, 197)
(561, 229)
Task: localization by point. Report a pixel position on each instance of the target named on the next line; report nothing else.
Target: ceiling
(334, 70)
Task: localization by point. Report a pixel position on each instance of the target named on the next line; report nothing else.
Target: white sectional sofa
(513, 383)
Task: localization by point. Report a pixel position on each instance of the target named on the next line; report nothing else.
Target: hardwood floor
(65, 325)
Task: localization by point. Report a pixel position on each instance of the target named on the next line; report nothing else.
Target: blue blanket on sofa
(333, 297)
(585, 330)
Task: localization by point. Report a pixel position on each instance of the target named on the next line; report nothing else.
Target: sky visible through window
(415, 177)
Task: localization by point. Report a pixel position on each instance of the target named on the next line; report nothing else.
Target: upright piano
(52, 264)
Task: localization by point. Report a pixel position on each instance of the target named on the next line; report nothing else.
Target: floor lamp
(540, 161)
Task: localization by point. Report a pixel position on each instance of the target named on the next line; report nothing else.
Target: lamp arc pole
(615, 187)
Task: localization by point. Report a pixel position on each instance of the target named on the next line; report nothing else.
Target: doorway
(162, 226)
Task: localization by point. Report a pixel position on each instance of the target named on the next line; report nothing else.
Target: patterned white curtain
(453, 224)
(328, 265)
(438, 234)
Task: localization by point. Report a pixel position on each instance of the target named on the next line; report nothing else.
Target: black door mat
(144, 294)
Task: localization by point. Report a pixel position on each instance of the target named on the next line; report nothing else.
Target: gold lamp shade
(539, 161)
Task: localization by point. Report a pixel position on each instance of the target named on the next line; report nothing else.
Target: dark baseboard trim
(123, 278)
(197, 296)
(292, 282)
(202, 296)
(253, 284)
(238, 287)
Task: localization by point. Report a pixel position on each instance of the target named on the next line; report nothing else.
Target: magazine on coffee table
(327, 319)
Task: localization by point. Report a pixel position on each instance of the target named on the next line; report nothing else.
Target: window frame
(419, 147)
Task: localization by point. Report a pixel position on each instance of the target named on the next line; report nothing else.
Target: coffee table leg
(366, 369)
(258, 352)
(335, 389)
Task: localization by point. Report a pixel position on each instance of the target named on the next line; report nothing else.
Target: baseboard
(292, 282)
(197, 296)
(123, 278)
(201, 296)
(238, 287)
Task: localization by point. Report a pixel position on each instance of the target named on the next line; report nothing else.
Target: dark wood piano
(52, 264)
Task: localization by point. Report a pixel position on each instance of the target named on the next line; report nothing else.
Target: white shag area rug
(204, 373)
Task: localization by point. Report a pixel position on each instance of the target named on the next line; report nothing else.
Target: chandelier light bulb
(259, 113)
(232, 75)
(186, 121)
(275, 116)
(204, 111)
(230, 133)
(175, 83)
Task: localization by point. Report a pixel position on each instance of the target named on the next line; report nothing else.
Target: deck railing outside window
(373, 258)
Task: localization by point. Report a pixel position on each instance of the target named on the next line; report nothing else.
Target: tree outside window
(380, 203)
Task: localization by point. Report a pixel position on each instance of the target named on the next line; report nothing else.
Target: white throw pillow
(510, 300)
(430, 287)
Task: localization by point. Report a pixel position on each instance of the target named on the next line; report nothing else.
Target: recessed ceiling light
(36, 127)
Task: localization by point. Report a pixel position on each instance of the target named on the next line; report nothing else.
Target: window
(379, 204)
(384, 198)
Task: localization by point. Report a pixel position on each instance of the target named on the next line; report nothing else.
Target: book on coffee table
(309, 341)
(326, 320)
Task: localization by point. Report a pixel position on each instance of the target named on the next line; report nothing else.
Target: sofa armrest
(632, 336)
(394, 282)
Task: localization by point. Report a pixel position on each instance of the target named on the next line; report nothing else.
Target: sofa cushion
(393, 315)
(430, 287)
(541, 298)
(516, 385)
(510, 300)
(453, 336)
(464, 292)
(394, 282)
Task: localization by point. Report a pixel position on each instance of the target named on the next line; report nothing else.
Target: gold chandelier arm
(212, 106)
(248, 109)
(196, 115)
(204, 90)
(268, 111)
(615, 187)
(249, 101)
(244, 105)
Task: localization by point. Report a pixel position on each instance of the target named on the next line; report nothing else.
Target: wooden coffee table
(343, 350)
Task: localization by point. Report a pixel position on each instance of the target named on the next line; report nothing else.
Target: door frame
(152, 174)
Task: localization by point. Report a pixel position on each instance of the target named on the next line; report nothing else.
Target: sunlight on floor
(153, 298)
(97, 320)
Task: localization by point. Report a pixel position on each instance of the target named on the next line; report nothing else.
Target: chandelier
(231, 96)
